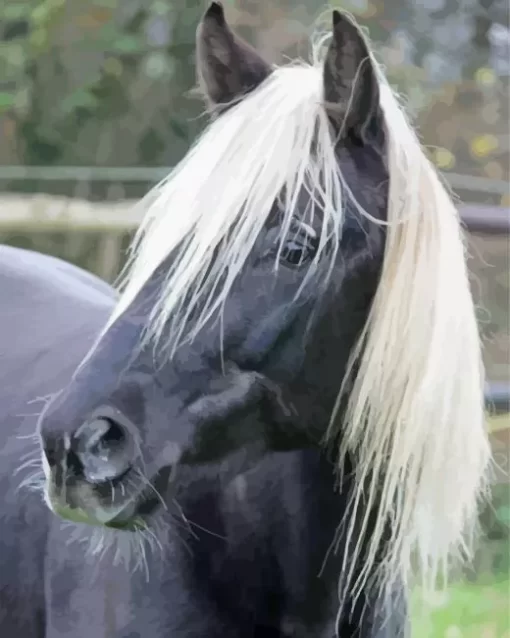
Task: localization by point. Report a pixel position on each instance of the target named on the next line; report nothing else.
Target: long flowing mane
(415, 419)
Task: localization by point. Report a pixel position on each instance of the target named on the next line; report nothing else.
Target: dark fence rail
(497, 398)
(492, 220)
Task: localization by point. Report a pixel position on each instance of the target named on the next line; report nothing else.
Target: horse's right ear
(227, 67)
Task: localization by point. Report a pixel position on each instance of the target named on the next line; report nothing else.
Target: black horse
(246, 553)
(183, 423)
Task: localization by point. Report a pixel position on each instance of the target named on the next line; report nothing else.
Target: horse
(283, 513)
(290, 376)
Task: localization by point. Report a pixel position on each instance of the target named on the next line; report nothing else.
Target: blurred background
(97, 103)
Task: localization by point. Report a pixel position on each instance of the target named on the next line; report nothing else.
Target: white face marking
(47, 473)
(48, 501)
(45, 466)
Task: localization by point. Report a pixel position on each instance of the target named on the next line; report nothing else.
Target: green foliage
(104, 73)
(80, 99)
(503, 514)
(7, 100)
(464, 610)
(74, 71)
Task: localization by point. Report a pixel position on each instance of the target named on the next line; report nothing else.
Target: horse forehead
(359, 167)
(364, 178)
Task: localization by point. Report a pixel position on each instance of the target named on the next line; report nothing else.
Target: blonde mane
(415, 417)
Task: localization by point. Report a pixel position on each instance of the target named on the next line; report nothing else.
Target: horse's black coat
(269, 529)
(262, 520)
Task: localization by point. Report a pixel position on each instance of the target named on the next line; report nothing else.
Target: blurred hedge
(101, 82)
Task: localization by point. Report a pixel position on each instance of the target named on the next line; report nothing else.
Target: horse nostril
(104, 448)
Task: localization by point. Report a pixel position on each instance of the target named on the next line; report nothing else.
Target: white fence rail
(50, 213)
(46, 213)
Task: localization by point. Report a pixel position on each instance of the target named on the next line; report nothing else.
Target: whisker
(44, 399)
(33, 482)
(185, 521)
(26, 465)
(148, 483)
(189, 524)
(207, 531)
(184, 525)
(28, 437)
(34, 453)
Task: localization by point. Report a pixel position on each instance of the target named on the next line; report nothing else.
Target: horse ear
(351, 89)
(227, 67)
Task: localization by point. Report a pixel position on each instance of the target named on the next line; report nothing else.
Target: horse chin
(132, 515)
(132, 522)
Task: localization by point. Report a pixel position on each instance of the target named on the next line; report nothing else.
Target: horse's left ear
(227, 66)
(351, 89)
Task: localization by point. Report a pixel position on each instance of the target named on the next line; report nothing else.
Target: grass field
(466, 610)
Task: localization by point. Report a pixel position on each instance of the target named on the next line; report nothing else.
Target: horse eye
(299, 248)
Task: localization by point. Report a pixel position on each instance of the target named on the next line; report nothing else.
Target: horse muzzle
(96, 476)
